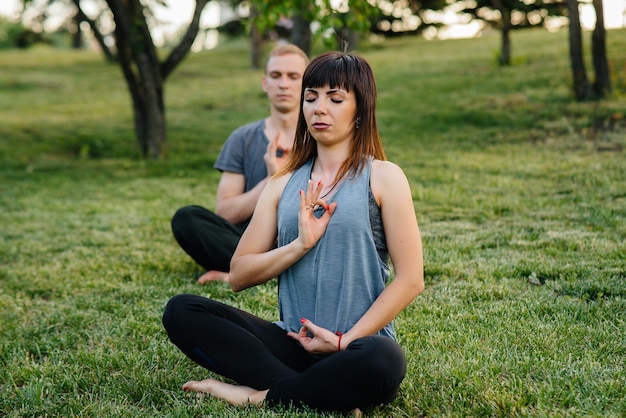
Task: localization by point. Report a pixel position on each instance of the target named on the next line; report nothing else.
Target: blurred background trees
(128, 32)
(507, 15)
(581, 87)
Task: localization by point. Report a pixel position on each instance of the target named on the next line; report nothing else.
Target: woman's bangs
(332, 73)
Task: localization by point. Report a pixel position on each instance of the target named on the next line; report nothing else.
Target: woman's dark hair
(350, 73)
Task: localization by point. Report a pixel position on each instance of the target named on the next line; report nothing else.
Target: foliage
(511, 14)
(354, 14)
(329, 17)
(16, 35)
(524, 13)
(138, 59)
(519, 191)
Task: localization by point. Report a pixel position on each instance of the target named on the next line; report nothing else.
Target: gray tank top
(337, 281)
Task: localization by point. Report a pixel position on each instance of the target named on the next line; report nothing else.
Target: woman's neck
(330, 158)
(326, 169)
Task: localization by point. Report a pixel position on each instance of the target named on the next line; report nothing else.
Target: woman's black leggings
(259, 354)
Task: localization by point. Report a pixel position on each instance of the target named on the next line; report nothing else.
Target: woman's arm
(235, 204)
(256, 260)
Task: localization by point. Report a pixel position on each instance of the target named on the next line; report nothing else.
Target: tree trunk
(505, 54)
(347, 39)
(581, 86)
(77, 33)
(602, 83)
(301, 32)
(141, 69)
(505, 51)
(256, 40)
(144, 74)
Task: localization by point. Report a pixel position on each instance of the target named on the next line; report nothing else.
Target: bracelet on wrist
(338, 333)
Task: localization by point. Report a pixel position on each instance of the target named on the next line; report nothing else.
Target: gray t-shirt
(243, 152)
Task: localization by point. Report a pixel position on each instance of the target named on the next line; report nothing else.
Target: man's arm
(233, 203)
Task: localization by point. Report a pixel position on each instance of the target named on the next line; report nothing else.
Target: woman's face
(329, 114)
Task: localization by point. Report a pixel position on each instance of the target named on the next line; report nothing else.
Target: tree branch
(110, 56)
(178, 53)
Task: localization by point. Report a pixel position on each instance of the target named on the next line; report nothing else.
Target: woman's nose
(320, 107)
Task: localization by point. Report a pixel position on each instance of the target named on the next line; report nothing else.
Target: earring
(357, 123)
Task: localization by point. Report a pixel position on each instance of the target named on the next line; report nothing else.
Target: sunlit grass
(520, 194)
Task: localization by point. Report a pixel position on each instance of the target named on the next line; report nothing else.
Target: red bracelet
(339, 342)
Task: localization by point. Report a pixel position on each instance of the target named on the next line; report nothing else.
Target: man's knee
(183, 218)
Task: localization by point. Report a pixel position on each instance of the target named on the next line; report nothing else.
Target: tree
(136, 54)
(144, 73)
(330, 15)
(301, 30)
(602, 84)
(346, 19)
(256, 40)
(514, 14)
(95, 30)
(505, 12)
(580, 83)
(420, 8)
(42, 10)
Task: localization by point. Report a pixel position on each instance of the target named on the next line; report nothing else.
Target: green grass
(520, 193)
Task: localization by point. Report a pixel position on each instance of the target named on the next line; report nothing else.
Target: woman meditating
(338, 212)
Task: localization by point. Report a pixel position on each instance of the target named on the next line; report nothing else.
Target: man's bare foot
(234, 394)
(213, 276)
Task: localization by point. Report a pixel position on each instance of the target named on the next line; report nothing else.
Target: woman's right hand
(310, 227)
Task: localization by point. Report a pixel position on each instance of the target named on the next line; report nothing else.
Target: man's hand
(275, 156)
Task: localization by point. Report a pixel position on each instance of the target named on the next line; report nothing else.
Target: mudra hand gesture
(310, 227)
(314, 339)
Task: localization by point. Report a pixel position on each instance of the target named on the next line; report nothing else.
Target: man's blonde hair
(286, 49)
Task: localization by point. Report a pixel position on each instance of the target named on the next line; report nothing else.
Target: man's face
(283, 81)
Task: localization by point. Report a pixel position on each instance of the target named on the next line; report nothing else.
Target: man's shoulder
(242, 146)
(247, 130)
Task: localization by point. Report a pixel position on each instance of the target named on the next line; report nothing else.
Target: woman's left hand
(322, 341)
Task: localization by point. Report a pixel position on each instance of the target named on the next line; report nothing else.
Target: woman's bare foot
(234, 394)
(213, 276)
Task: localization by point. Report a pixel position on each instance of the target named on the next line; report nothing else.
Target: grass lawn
(520, 193)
